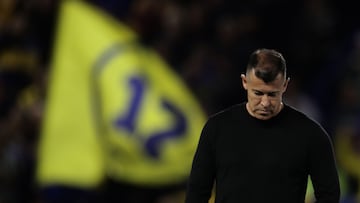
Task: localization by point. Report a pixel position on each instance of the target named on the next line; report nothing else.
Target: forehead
(258, 84)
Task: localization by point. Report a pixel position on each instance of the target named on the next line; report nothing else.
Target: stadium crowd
(207, 43)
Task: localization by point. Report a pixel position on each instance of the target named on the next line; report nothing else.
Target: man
(263, 150)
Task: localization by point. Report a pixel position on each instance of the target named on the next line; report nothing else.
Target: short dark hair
(268, 64)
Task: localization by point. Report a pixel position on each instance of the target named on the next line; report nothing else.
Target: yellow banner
(113, 107)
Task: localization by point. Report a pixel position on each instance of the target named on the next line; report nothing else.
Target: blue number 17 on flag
(128, 120)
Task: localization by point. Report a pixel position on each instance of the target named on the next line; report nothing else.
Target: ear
(244, 81)
(286, 84)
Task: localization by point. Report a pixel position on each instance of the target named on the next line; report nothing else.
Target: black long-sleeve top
(263, 161)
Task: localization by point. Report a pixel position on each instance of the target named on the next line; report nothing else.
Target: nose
(265, 101)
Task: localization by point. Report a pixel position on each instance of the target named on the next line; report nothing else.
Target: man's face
(264, 99)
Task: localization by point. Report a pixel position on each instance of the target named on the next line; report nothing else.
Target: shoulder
(226, 116)
(229, 112)
(222, 121)
(304, 122)
(300, 116)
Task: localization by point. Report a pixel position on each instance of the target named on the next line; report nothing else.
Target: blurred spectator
(22, 60)
(347, 122)
(296, 97)
(206, 42)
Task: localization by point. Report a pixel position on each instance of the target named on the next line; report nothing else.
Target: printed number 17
(128, 120)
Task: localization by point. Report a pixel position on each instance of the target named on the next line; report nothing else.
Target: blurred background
(207, 42)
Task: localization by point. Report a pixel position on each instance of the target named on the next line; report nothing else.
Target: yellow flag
(114, 108)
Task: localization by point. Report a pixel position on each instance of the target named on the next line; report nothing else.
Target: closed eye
(258, 93)
(272, 94)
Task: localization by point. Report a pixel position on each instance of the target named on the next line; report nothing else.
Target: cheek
(276, 102)
(254, 100)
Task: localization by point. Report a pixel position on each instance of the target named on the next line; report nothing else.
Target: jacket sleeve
(322, 168)
(203, 168)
